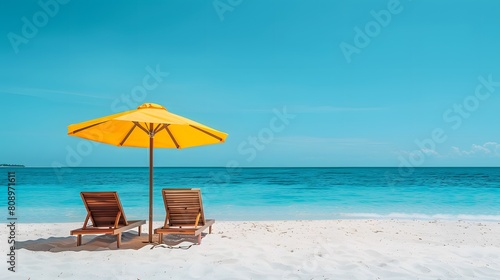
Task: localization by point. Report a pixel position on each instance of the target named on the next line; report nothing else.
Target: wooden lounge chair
(106, 214)
(184, 213)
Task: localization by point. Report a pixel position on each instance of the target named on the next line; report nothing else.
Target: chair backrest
(183, 206)
(103, 208)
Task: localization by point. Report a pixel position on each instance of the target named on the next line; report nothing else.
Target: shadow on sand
(130, 241)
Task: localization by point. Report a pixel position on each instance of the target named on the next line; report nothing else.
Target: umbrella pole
(151, 186)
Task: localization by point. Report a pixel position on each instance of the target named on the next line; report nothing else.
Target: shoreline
(299, 249)
(159, 218)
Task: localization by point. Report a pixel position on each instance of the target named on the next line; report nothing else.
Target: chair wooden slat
(184, 207)
(106, 214)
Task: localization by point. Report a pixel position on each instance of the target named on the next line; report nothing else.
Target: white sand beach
(333, 249)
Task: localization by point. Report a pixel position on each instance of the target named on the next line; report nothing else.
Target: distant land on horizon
(11, 165)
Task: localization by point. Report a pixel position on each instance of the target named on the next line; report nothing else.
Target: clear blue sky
(232, 67)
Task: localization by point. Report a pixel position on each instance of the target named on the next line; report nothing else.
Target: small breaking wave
(420, 216)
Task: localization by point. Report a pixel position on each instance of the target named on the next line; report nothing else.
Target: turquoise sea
(52, 195)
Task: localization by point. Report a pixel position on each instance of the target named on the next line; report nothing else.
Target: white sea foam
(420, 216)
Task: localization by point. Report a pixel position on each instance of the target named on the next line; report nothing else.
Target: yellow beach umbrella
(150, 125)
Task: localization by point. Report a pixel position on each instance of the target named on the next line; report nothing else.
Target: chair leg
(118, 240)
(199, 239)
(139, 233)
(210, 230)
(160, 238)
(79, 240)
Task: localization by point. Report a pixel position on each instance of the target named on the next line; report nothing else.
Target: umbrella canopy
(151, 126)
